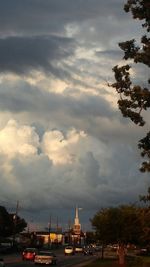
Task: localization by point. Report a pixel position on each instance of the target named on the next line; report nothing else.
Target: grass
(130, 262)
(103, 263)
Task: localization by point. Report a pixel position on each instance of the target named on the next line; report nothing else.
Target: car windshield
(30, 250)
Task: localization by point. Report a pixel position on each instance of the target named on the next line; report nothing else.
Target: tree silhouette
(135, 98)
(8, 225)
(122, 223)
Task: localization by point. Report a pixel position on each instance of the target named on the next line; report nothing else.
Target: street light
(49, 232)
(14, 228)
(15, 223)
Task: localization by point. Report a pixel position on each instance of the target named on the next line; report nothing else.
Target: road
(63, 261)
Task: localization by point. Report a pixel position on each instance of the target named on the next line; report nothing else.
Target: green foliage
(132, 262)
(121, 223)
(145, 217)
(19, 224)
(135, 98)
(90, 237)
(102, 263)
(10, 224)
(144, 145)
(6, 224)
(147, 197)
(140, 10)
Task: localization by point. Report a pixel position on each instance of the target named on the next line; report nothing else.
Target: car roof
(31, 249)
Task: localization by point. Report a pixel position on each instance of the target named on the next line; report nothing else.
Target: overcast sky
(63, 141)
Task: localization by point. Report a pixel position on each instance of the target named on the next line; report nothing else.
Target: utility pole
(57, 230)
(15, 222)
(49, 231)
(69, 231)
(57, 225)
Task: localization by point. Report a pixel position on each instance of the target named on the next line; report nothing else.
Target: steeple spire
(76, 221)
(77, 225)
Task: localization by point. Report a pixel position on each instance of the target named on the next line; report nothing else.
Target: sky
(63, 141)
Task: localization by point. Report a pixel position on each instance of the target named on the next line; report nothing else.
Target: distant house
(41, 238)
(55, 236)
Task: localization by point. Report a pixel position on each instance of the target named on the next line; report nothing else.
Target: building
(42, 238)
(75, 234)
(77, 225)
(55, 236)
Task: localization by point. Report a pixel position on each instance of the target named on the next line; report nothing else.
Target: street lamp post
(15, 223)
(14, 229)
(49, 232)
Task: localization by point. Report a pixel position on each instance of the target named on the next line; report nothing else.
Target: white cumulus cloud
(16, 139)
(60, 148)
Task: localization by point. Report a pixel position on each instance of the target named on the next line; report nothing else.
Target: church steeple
(77, 225)
(76, 221)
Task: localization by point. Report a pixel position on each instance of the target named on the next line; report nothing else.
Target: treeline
(127, 224)
(10, 223)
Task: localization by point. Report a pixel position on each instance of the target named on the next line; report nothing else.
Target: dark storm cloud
(22, 54)
(51, 15)
(24, 97)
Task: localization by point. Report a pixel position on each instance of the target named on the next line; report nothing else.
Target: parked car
(69, 250)
(78, 249)
(6, 247)
(2, 264)
(45, 257)
(98, 248)
(29, 254)
(143, 252)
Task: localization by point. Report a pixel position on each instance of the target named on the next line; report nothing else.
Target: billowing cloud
(59, 148)
(22, 97)
(72, 165)
(15, 140)
(63, 141)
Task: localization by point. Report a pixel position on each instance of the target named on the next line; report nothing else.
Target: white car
(69, 250)
(79, 249)
(45, 257)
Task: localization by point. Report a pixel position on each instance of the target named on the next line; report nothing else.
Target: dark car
(45, 257)
(29, 254)
(143, 252)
